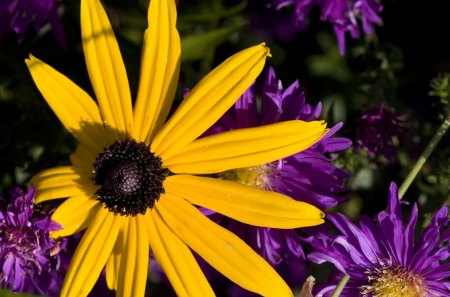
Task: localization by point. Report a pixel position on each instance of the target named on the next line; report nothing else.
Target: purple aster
(377, 130)
(18, 15)
(29, 258)
(383, 258)
(343, 14)
(308, 176)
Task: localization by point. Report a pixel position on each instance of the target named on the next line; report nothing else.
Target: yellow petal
(75, 214)
(160, 68)
(105, 66)
(74, 107)
(176, 259)
(111, 272)
(244, 203)
(209, 100)
(133, 266)
(220, 248)
(61, 182)
(113, 264)
(83, 157)
(91, 254)
(245, 147)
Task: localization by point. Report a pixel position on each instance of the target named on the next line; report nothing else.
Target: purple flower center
(256, 176)
(395, 281)
(18, 241)
(130, 177)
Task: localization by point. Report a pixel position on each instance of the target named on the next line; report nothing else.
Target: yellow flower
(132, 182)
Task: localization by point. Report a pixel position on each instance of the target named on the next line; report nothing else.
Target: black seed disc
(130, 177)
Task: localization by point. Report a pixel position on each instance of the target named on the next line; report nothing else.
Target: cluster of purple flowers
(382, 257)
(344, 15)
(19, 15)
(29, 258)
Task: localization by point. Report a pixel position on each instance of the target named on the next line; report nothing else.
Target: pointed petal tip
(325, 127)
(268, 53)
(31, 60)
(315, 219)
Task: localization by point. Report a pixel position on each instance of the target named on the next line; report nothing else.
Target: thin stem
(423, 157)
(341, 286)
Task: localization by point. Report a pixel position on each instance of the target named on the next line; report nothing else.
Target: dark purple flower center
(130, 177)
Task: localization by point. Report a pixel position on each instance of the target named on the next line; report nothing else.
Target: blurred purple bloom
(376, 131)
(383, 256)
(307, 176)
(278, 28)
(343, 14)
(29, 259)
(19, 15)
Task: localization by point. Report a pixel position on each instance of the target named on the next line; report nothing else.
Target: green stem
(423, 157)
(341, 286)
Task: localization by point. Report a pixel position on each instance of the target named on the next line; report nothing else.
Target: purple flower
(272, 27)
(383, 258)
(307, 176)
(376, 131)
(343, 14)
(29, 258)
(19, 15)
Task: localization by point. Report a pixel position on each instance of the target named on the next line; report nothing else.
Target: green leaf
(196, 47)
(334, 108)
(212, 17)
(330, 63)
(6, 293)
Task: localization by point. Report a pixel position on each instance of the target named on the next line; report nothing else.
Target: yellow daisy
(132, 182)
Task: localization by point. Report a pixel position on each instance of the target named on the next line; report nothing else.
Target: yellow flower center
(395, 282)
(257, 176)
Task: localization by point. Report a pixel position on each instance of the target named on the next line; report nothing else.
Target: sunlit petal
(245, 147)
(74, 107)
(132, 271)
(113, 263)
(244, 203)
(61, 182)
(105, 67)
(220, 248)
(91, 254)
(159, 70)
(176, 259)
(75, 214)
(209, 100)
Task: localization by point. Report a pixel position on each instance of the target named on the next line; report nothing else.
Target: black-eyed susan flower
(132, 182)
